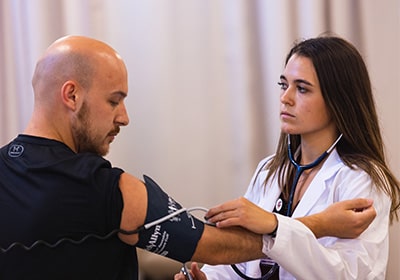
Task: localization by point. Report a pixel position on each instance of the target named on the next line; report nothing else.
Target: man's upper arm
(134, 195)
(184, 235)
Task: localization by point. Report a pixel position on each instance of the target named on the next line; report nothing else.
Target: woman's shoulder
(336, 169)
(262, 163)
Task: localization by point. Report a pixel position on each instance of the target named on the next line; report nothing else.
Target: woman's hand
(242, 212)
(343, 219)
(195, 272)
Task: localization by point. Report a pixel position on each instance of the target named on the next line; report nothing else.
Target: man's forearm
(227, 246)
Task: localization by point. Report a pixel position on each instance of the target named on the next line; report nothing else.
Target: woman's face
(303, 109)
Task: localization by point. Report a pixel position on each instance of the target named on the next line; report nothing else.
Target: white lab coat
(302, 256)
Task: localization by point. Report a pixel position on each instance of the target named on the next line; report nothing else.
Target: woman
(328, 121)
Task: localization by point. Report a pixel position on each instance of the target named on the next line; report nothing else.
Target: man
(63, 205)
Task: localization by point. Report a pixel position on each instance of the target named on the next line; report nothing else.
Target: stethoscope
(299, 170)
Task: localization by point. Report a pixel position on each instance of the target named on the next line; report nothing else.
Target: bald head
(70, 58)
(79, 85)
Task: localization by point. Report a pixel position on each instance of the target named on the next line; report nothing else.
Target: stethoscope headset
(299, 170)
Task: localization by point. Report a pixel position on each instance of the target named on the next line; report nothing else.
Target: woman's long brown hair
(346, 89)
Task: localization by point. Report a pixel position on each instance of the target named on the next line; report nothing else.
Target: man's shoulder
(51, 156)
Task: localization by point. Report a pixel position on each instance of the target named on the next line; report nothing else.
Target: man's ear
(70, 94)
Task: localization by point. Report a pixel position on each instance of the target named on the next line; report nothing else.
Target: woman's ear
(70, 94)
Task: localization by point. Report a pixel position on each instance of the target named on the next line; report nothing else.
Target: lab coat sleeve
(297, 250)
(225, 272)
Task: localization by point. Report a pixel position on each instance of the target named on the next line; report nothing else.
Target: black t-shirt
(48, 192)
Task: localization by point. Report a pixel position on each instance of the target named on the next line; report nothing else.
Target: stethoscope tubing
(301, 168)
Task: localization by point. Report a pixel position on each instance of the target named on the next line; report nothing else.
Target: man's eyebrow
(121, 93)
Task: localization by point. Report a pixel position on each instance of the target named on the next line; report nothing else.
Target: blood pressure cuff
(175, 238)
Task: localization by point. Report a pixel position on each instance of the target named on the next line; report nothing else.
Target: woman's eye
(301, 89)
(283, 86)
(113, 103)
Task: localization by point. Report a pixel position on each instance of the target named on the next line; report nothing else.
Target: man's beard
(84, 136)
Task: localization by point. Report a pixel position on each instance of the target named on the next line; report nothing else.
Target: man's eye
(113, 103)
(283, 86)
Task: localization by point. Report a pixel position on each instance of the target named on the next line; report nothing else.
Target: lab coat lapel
(318, 185)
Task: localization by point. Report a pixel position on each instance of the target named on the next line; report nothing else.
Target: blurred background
(203, 94)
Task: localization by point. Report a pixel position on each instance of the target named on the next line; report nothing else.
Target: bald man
(66, 213)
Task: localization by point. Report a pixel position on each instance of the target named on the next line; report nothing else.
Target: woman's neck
(312, 147)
